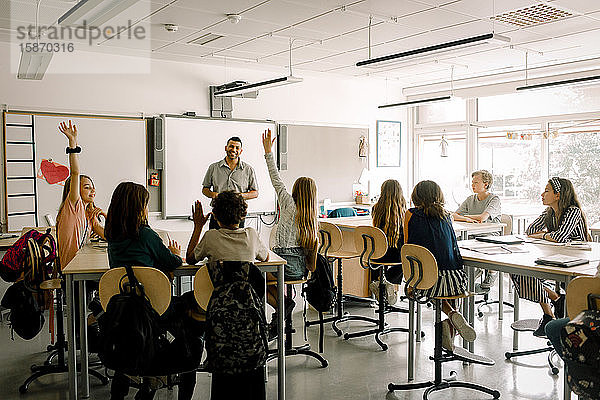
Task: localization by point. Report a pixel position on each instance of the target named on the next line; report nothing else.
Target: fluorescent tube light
(33, 64)
(417, 102)
(567, 82)
(251, 87)
(94, 12)
(430, 50)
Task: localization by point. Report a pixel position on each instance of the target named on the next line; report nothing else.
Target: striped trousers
(530, 288)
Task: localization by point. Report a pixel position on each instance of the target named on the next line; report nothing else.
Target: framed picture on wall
(388, 143)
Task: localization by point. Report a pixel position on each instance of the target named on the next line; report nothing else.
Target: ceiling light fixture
(429, 100)
(94, 12)
(567, 82)
(33, 64)
(430, 50)
(252, 87)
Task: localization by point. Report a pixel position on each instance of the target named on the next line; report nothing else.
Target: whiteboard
(192, 144)
(113, 151)
(329, 155)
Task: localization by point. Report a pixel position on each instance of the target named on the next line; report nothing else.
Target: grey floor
(358, 369)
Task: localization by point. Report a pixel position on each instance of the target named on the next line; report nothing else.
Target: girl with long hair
(429, 225)
(131, 242)
(388, 215)
(562, 221)
(77, 214)
(296, 237)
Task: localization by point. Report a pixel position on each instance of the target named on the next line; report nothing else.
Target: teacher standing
(231, 173)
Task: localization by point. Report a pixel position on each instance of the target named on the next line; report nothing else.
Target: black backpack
(319, 289)
(132, 335)
(26, 315)
(236, 339)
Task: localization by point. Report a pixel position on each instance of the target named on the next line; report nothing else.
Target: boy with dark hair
(230, 242)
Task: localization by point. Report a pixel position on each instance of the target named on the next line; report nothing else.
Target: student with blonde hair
(296, 238)
(77, 216)
(562, 221)
(482, 206)
(429, 225)
(388, 215)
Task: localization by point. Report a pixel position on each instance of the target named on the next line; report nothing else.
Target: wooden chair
(331, 242)
(421, 272)
(577, 294)
(157, 288)
(371, 243)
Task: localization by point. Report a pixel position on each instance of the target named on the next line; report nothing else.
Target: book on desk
(561, 260)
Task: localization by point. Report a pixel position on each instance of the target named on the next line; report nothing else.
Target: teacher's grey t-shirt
(474, 206)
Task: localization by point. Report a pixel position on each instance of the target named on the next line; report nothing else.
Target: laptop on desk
(509, 239)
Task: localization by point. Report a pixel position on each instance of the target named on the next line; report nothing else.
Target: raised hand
(70, 131)
(174, 247)
(267, 141)
(94, 212)
(198, 215)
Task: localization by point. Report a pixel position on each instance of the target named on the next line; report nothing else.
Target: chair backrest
(507, 219)
(418, 266)
(577, 294)
(370, 242)
(203, 287)
(330, 237)
(342, 212)
(156, 286)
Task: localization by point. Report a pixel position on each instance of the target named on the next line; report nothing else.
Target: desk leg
(418, 339)
(280, 337)
(471, 307)
(500, 296)
(516, 318)
(411, 340)
(566, 388)
(71, 356)
(85, 376)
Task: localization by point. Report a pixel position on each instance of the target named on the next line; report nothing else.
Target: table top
(93, 259)
(534, 250)
(6, 243)
(471, 228)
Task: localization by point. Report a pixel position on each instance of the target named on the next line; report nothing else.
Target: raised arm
(70, 131)
(199, 222)
(285, 199)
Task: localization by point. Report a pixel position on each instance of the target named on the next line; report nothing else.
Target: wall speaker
(283, 147)
(158, 144)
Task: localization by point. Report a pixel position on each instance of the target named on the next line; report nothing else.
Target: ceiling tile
(487, 8)
(245, 27)
(347, 42)
(434, 19)
(579, 6)
(469, 29)
(220, 7)
(302, 33)
(159, 32)
(185, 49)
(388, 8)
(336, 22)
(385, 32)
(279, 12)
(265, 46)
(184, 17)
(566, 26)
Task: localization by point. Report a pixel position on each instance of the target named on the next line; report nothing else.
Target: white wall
(174, 88)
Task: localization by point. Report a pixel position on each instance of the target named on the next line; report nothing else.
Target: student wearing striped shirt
(563, 221)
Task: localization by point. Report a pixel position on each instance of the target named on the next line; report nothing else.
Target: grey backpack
(236, 340)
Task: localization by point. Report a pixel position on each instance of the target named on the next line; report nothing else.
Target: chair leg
(440, 383)
(290, 350)
(382, 328)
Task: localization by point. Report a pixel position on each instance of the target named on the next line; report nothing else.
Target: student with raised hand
(429, 225)
(296, 238)
(482, 206)
(131, 242)
(77, 215)
(388, 215)
(562, 221)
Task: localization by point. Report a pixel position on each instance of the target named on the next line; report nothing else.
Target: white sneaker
(447, 335)
(462, 327)
(489, 280)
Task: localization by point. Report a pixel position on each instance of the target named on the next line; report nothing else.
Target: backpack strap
(134, 284)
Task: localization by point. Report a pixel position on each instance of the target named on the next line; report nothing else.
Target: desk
(524, 264)
(91, 263)
(356, 279)
(7, 242)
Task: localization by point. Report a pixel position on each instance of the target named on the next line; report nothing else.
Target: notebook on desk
(509, 239)
(561, 260)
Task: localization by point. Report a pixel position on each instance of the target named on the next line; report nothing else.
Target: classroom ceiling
(330, 36)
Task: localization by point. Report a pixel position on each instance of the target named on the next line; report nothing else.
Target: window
(574, 153)
(448, 111)
(513, 155)
(561, 100)
(448, 172)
